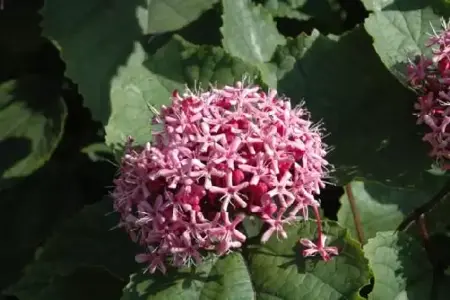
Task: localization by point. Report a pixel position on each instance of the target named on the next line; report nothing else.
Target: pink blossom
(276, 225)
(319, 248)
(430, 76)
(217, 157)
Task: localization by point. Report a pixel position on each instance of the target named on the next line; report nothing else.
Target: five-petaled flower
(219, 156)
(319, 248)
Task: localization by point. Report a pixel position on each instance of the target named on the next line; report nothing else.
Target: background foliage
(78, 76)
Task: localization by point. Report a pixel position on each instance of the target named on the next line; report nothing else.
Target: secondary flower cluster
(431, 78)
(219, 156)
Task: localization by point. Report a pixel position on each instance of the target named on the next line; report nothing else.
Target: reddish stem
(319, 223)
(355, 213)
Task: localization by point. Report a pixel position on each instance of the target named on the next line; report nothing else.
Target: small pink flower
(276, 225)
(227, 234)
(155, 261)
(319, 248)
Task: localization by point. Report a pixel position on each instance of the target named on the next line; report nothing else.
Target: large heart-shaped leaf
(381, 208)
(399, 29)
(169, 15)
(32, 118)
(86, 240)
(400, 266)
(275, 270)
(249, 31)
(366, 111)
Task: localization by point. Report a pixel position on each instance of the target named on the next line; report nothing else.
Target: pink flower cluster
(220, 156)
(431, 78)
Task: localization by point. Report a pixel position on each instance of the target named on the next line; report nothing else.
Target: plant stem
(423, 229)
(355, 213)
(319, 223)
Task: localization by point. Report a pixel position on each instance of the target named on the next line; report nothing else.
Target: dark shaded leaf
(86, 240)
(32, 118)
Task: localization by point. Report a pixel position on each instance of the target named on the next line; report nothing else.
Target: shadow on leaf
(22, 148)
(33, 117)
(158, 282)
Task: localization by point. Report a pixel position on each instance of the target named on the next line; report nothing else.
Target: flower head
(220, 155)
(430, 76)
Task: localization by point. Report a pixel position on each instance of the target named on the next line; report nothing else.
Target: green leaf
(98, 152)
(279, 271)
(399, 30)
(276, 270)
(400, 5)
(327, 15)
(366, 111)
(32, 118)
(400, 266)
(287, 9)
(224, 278)
(133, 90)
(179, 62)
(86, 240)
(169, 15)
(249, 31)
(381, 208)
